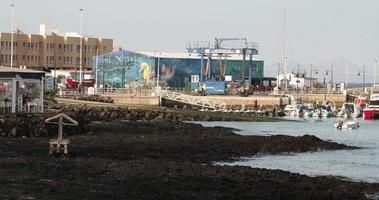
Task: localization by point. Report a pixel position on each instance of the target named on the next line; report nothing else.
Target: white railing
(202, 101)
(126, 91)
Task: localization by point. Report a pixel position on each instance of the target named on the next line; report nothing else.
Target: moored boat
(347, 124)
(372, 109)
(350, 110)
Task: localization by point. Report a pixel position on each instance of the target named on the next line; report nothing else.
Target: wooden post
(55, 144)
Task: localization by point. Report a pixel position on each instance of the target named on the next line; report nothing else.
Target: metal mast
(285, 52)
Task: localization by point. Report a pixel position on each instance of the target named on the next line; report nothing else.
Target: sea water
(356, 165)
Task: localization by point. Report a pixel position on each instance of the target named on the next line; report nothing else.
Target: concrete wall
(129, 99)
(338, 99)
(236, 101)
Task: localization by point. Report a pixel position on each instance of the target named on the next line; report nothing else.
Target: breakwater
(33, 125)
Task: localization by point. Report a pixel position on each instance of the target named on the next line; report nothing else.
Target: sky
(319, 32)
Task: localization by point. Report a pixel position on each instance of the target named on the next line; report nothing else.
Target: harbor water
(356, 165)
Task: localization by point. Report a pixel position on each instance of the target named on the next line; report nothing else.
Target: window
(104, 48)
(60, 46)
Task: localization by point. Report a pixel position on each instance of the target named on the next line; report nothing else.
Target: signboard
(228, 78)
(194, 78)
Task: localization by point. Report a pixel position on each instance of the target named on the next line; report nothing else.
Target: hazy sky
(321, 32)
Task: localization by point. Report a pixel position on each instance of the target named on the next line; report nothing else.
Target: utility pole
(285, 52)
(311, 76)
(347, 74)
(97, 68)
(364, 77)
(376, 64)
(55, 62)
(12, 32)
(158, 69)
(81, 47)
(332, 75)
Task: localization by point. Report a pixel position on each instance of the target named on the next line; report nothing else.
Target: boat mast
(285, 52)
(347, 74)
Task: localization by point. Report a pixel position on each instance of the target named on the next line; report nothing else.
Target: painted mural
(123, 67)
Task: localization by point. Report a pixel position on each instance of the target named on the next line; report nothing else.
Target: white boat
(350, 109)
(292, 110)
(346, 124)
(323, 112)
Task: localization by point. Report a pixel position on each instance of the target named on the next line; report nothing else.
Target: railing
(127, 91)
(193, 100)
(313, 91)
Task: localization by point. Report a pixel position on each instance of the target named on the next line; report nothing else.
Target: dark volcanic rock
(162, 161)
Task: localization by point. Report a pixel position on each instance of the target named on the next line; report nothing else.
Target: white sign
(228, 78)
(194, 78)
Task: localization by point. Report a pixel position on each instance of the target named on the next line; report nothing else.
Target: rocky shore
(33, 125)
(144, 156)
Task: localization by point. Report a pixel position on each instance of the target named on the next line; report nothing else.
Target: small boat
(292, 110)
(350, 109)
(372, 109)
(346, 124)
(322, 111)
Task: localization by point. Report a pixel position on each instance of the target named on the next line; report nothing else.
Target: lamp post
(97, 69)
(331, 78)
(364, 77)
(81, 46)
(158, 70)
(311, 75)
(376, 64)
(332, 75)
(12, 31)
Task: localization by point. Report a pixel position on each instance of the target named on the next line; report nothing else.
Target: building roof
(4, 69)
(184, 55)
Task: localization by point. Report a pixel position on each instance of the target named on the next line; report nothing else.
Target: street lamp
(158, 70)
(332, 75)
(311, 74)
(81, 46)
(376, 64)
(12, 17)
(364, 77)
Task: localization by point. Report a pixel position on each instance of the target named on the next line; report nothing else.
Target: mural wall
(123, 67)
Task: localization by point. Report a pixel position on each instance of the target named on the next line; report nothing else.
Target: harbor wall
(136, 100)
(338, 99)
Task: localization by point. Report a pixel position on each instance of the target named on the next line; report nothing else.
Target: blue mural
(122, 67)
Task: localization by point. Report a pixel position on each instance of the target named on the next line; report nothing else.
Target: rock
(13, 132)
(103, 115)
(114, 115)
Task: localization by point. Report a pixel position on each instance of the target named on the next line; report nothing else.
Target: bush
(49, 95)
